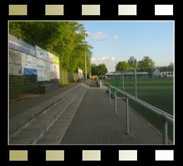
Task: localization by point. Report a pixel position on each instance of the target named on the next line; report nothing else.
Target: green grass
(157, 92)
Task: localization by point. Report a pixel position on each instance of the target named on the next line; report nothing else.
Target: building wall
(169, 74)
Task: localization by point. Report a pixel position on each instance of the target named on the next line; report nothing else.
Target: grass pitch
(157, 92)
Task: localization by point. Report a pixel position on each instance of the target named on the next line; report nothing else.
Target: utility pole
(85, 59)
(90, 69)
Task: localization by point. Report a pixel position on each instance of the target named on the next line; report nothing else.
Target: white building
(157, 73)
(168, 73)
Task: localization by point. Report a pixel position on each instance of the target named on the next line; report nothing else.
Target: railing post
(102, 83)
(123, 83)
(127, 116)
(135, 77)
(165, 131)
(115, 99)
(109, 94)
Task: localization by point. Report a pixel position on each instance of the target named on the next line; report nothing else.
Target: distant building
(130, 74)
(158, 73)
(169, 73)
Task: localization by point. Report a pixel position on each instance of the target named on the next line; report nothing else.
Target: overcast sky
(115, 41)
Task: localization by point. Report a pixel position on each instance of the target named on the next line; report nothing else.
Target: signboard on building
(51, 71)
(43, 54)
(25, 59)
(80, 73)
(41, 70)
(15, 62)
(29, 64)
(21, 46)
(56, 67)
(56, 71)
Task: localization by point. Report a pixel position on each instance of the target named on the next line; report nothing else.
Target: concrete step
(36, 129)
(23, 120)
(56, 132)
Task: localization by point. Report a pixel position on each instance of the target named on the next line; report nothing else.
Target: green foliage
(94, 69)
(68, 77)
(150, 70)
(132, 61)
(101, 69)
(146, 62)
(59, 38)
(122, 65)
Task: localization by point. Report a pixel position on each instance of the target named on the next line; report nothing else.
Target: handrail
(164, 115)
(152, 108)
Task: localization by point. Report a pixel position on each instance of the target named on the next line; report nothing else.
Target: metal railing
(164, 116)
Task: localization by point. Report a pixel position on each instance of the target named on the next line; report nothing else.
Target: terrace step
(30, 126)
(36, 130)
(56, 132)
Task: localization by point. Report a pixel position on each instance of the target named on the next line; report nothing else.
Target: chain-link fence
(22, 84)
(68, 77)
(19, 84)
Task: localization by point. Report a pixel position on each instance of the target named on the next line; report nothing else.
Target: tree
(57, 37)
(101, 69)
(94, 69)
(132, 61)
(146, 62)
(171, 64)
(122, 65)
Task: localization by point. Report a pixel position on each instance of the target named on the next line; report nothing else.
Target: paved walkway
(96, 122)
(93, 122)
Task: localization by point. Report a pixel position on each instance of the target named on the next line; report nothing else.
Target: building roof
(127, 73)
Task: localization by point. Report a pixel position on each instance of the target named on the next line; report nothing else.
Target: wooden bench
(47, 88)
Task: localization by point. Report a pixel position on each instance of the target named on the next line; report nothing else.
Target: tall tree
(56, 37)
(94, 69)
(122, 65)
(146, 62)
(101, 69)
(171, 64)
(132, 61)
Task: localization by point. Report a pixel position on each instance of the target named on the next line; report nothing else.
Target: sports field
(155, 91)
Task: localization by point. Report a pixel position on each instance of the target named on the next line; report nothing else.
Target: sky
(115, 41)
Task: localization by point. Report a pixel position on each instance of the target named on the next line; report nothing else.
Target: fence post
(135, 77)
(102, 84)
(123, 83)
(110, 94)
(36, 82)
(165, 131)
(115, 99)
(127, 116)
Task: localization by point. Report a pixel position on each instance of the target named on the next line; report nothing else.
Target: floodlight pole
(85, 59)
(90, 69)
